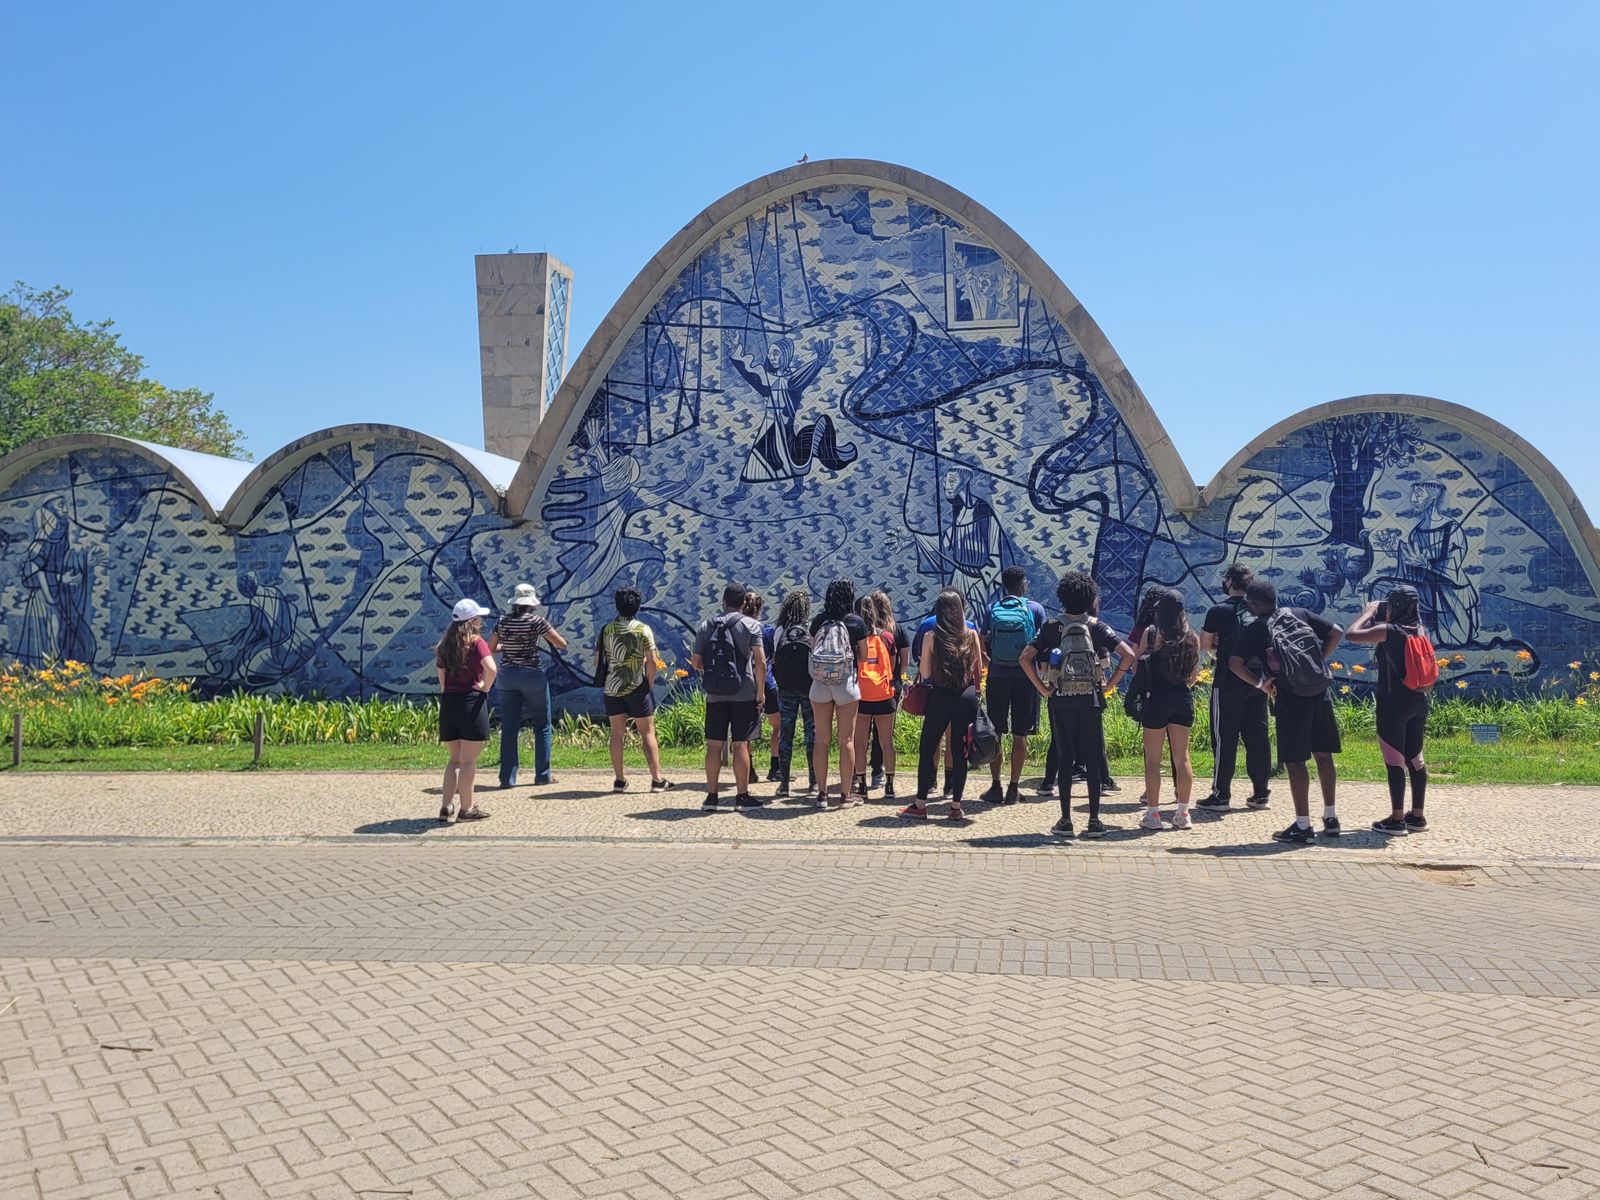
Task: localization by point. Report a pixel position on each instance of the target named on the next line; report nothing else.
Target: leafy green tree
(58, 375)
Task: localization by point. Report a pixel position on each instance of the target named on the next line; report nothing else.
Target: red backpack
(1421, 662)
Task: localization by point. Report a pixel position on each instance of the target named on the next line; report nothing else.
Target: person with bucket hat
(522, 688)
(466, 673)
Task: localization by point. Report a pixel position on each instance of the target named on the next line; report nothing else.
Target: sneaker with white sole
(1390, 827)
(1152, 820)
(1182, 820)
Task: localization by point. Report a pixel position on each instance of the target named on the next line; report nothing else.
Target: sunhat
(524, 596)
(466, 610)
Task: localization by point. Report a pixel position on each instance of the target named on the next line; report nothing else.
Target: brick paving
(438, 1018)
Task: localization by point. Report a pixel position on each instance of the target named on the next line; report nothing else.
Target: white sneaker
(1152, 820)
(1180, 819)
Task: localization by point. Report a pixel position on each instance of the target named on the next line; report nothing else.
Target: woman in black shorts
(1173, 665)
(466, 673)
(1402, 710)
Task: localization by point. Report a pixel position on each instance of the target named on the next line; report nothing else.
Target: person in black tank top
(1402, 716)
(1238, 711)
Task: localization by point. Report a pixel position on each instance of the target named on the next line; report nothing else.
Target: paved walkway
(455, 1015)
(1476, 825)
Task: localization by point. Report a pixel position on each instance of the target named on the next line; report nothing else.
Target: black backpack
(1294, 655)
(791, 659)
(724, 666)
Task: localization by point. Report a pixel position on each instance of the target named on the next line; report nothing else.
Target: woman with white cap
(524, 690)
(466, 673)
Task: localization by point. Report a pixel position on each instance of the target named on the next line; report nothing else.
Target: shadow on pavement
(411, 825)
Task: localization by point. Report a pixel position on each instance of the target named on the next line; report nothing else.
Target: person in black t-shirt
(1076, 691)
(1237, 710)
(1402, 710)
(1307, 726)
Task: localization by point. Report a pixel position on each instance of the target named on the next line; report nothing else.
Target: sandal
(472, 814)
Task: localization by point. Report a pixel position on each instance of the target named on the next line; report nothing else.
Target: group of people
(840, 675)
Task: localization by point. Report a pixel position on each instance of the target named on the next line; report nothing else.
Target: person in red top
(466, 673)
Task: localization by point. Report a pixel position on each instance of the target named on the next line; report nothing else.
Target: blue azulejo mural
(842, 380)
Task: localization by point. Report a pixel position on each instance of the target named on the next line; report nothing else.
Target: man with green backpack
(1011, 623)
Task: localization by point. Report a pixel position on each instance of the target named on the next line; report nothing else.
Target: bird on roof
(804, 158)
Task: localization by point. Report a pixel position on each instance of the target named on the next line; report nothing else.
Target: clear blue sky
(1265, 207)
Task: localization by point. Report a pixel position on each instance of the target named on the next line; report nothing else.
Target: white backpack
(833, 659)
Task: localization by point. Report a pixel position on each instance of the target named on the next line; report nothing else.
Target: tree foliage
(58, 375)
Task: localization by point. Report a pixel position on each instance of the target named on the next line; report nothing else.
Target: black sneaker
(1047, 787)
(710, 804)
(995, 795)
(1108, 785)
(1215, 803)
(773, 773)
(888, 789)
(861, 785)
(1079, 777)
(1416, 823)
(1391, 827)
(746, 800)
(1295, 834)
(619, 785)
(1258, 802)
(1063, 829)
(1094, 829)
(1330, 827)
(1013, 795)
(783, 789)
(661, 785)
(947, 788)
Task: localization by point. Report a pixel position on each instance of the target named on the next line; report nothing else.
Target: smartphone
(1383, 612)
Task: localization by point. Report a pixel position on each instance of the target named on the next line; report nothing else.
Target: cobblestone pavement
(1472, 825)
(434, 1019)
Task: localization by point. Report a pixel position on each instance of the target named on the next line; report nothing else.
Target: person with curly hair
(1174, 668)
(953, 659)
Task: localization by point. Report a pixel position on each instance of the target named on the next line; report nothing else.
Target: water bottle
(1055, 668)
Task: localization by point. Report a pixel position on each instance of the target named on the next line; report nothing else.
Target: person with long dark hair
(791, 669)
(466, 673)
(952, 658)
(754, 604)
(1403, 703)
(1174, 666)
(836, 637)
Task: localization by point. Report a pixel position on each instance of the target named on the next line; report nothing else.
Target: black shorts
(1013, 704)
(771, 708)
(1306, 726)
(732, 720)
(464, 717)
(639, 703)
(877, 708)
(1169, 708)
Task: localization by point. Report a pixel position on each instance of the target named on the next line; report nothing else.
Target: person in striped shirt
(524, 692)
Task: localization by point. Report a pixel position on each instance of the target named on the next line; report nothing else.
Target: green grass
(1454, 759)
(75, 722)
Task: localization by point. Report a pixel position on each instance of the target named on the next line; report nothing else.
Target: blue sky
(1265, 207)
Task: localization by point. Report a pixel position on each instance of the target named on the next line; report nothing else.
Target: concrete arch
(208, 478)
(491, 473)
(1563, 500)
(609, 339)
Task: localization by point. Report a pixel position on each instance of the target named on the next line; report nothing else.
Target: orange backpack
(876, 669)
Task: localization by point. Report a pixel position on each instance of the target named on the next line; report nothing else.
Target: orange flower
(1525, 655)
(1337, 666)
(1359, 669)
(680, 673)
(1462, 684)
(1574, 665)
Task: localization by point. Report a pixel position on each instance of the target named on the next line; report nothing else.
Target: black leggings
(1080, 739)
(1402, 725)
(955, 711)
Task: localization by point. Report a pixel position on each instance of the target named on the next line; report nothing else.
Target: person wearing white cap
(523, 690)
(466, 673)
